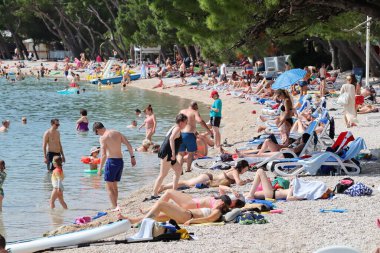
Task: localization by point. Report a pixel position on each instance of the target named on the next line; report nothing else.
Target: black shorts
(215, 121)
(223, 78)
(182, 74)
(322, 78)
(50, 156)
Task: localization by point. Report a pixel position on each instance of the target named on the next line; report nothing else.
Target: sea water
(26, 213)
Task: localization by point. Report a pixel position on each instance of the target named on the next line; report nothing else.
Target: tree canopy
(220, 28)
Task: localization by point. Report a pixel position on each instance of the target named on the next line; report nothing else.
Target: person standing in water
(3, 175)
(189, 140)
(168, 152)
(56, 180)
(51, 144)
(149, 123)
(216, 116)
(82, 122)
(112, 159)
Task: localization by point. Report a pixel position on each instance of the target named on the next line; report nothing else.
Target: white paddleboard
(84, 236)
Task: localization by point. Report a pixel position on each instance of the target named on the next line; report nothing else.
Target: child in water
(3, 175)
(94, 155)
(56, 180)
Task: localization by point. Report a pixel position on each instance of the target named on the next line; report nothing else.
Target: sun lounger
(311, 165)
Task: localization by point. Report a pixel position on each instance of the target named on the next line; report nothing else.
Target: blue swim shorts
(113, 169)
(189, 142)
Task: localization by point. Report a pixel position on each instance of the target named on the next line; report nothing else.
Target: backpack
(226, 157)
(343, 185)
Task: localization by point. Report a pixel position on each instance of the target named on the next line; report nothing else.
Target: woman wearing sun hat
(216, 116)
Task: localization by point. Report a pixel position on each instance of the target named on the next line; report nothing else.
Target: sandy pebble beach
(300, 228)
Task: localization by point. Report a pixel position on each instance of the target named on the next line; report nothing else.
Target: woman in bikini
(300, 191)
(163, 211)
(187, 201)
(231, 176)
(286, 121)
(149, 123)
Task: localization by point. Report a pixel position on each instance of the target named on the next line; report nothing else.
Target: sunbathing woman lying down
(187, 201)
(163, 211)
(231, 176)
(274, 148)
(299, 189)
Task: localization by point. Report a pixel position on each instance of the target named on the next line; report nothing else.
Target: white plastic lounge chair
(337, 249)
(292, 167)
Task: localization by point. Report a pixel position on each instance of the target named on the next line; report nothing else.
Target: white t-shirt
(223, 70)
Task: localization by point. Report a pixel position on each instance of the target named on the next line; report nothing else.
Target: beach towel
(358, 189)
(145, 231)
(310, 190)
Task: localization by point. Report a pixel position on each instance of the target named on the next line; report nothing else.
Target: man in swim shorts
(51, 144)
(112, 158)
(189, 140)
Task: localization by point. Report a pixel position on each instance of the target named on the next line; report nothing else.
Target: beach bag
(332, 128)
(343, 185)
(343, 99)
(226, 157)
(358, 189)
(280, 183)
(168, 231)
(248, 218)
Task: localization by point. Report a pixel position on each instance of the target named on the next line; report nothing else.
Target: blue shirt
(216, 105)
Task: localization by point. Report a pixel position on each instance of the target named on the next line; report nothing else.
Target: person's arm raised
(130, 149)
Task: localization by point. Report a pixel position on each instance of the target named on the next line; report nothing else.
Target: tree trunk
(4, 48)
(35, 51)
(345, 62)
(334, 55)
(182, 52)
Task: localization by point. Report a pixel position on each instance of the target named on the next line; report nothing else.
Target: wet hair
(5, 122)
(240, 165)
(54, 121)
(305, 137)
(3, 243)
(58, 160)
(83, 112)
(148, 108)
(2, 165)
(138, 111)
(146, 142)
(180, 118)
(97, 125)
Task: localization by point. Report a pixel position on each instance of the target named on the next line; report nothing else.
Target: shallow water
(26, 212)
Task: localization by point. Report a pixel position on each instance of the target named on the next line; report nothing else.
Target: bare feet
(116, 209)
(261, 128)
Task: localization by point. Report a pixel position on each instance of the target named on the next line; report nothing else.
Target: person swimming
(82, 122)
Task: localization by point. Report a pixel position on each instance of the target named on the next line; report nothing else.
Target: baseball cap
(213, 93)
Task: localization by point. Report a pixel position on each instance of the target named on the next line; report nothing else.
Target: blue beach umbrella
(288, 78)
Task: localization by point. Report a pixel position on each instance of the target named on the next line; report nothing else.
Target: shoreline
(239, 124)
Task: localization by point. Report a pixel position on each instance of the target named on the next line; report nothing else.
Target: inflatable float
(68, 91)
(75, 238)
(87, 160)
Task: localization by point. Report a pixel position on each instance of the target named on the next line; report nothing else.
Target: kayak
(75, 238)
(68, 91)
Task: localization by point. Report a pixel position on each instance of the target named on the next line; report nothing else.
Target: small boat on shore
(114, 80)
(75, 238)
